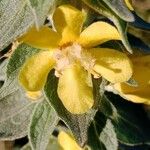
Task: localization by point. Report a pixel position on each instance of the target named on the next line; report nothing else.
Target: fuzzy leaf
(3, 70)
(129, 128)
(77, 123)
(119, 7)
(52, 145)
(102, 134)
(26, 147)
(15, 108)
(15, 62)
(94, 142)
(43, 123)
(108, 136)
(16, 16)
(93, 133)
(101, 8)
(15, 112)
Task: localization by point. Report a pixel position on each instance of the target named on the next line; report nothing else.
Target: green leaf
(141, 34)
(94, 141)
(15, 110)
(19, 56)
(102, 134)
(140, 147)
(130, 121)
(52, 145)
(3, 70)
(77, 123)
(17, 59)
(101, 8)
(94, 132)
(16, 16)
(119, 7)
(26, 147)
(113, 44)
(108, 136)
(43, 123)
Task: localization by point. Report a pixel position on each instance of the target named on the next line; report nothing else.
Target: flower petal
(80, 99)
(113, 65)
(68, 22)
(34, 95)
(138, 96)
(98, 33)
(129, 4)
(34, 72)
(67, 142)
(44, 38)
(141, 74)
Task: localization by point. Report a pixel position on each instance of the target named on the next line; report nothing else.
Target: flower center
(69, 54)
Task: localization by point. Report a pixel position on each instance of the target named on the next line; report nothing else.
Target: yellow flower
(69, 50)
(67, 142)
(128, 3)
(141, 74)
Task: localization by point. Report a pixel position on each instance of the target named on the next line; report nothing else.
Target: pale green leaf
(15, 112)
(94, 141)
(26, 147)
(52, 145)
(17, 59)
(3, 70)
(43, 123)
(108, 136)
(119, 7)
(16, 16)
(15, 109)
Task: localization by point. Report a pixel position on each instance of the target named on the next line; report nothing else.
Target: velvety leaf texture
(15, 110)
(120, 8)
(108, 136)
(93, 132)
(52, 145)
(14, 106)
(43, 122)
(16, 16)
(15, 62)
(3, 70)
(102, 134)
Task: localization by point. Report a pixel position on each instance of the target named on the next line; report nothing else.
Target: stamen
(75, 51)
(69, 54)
